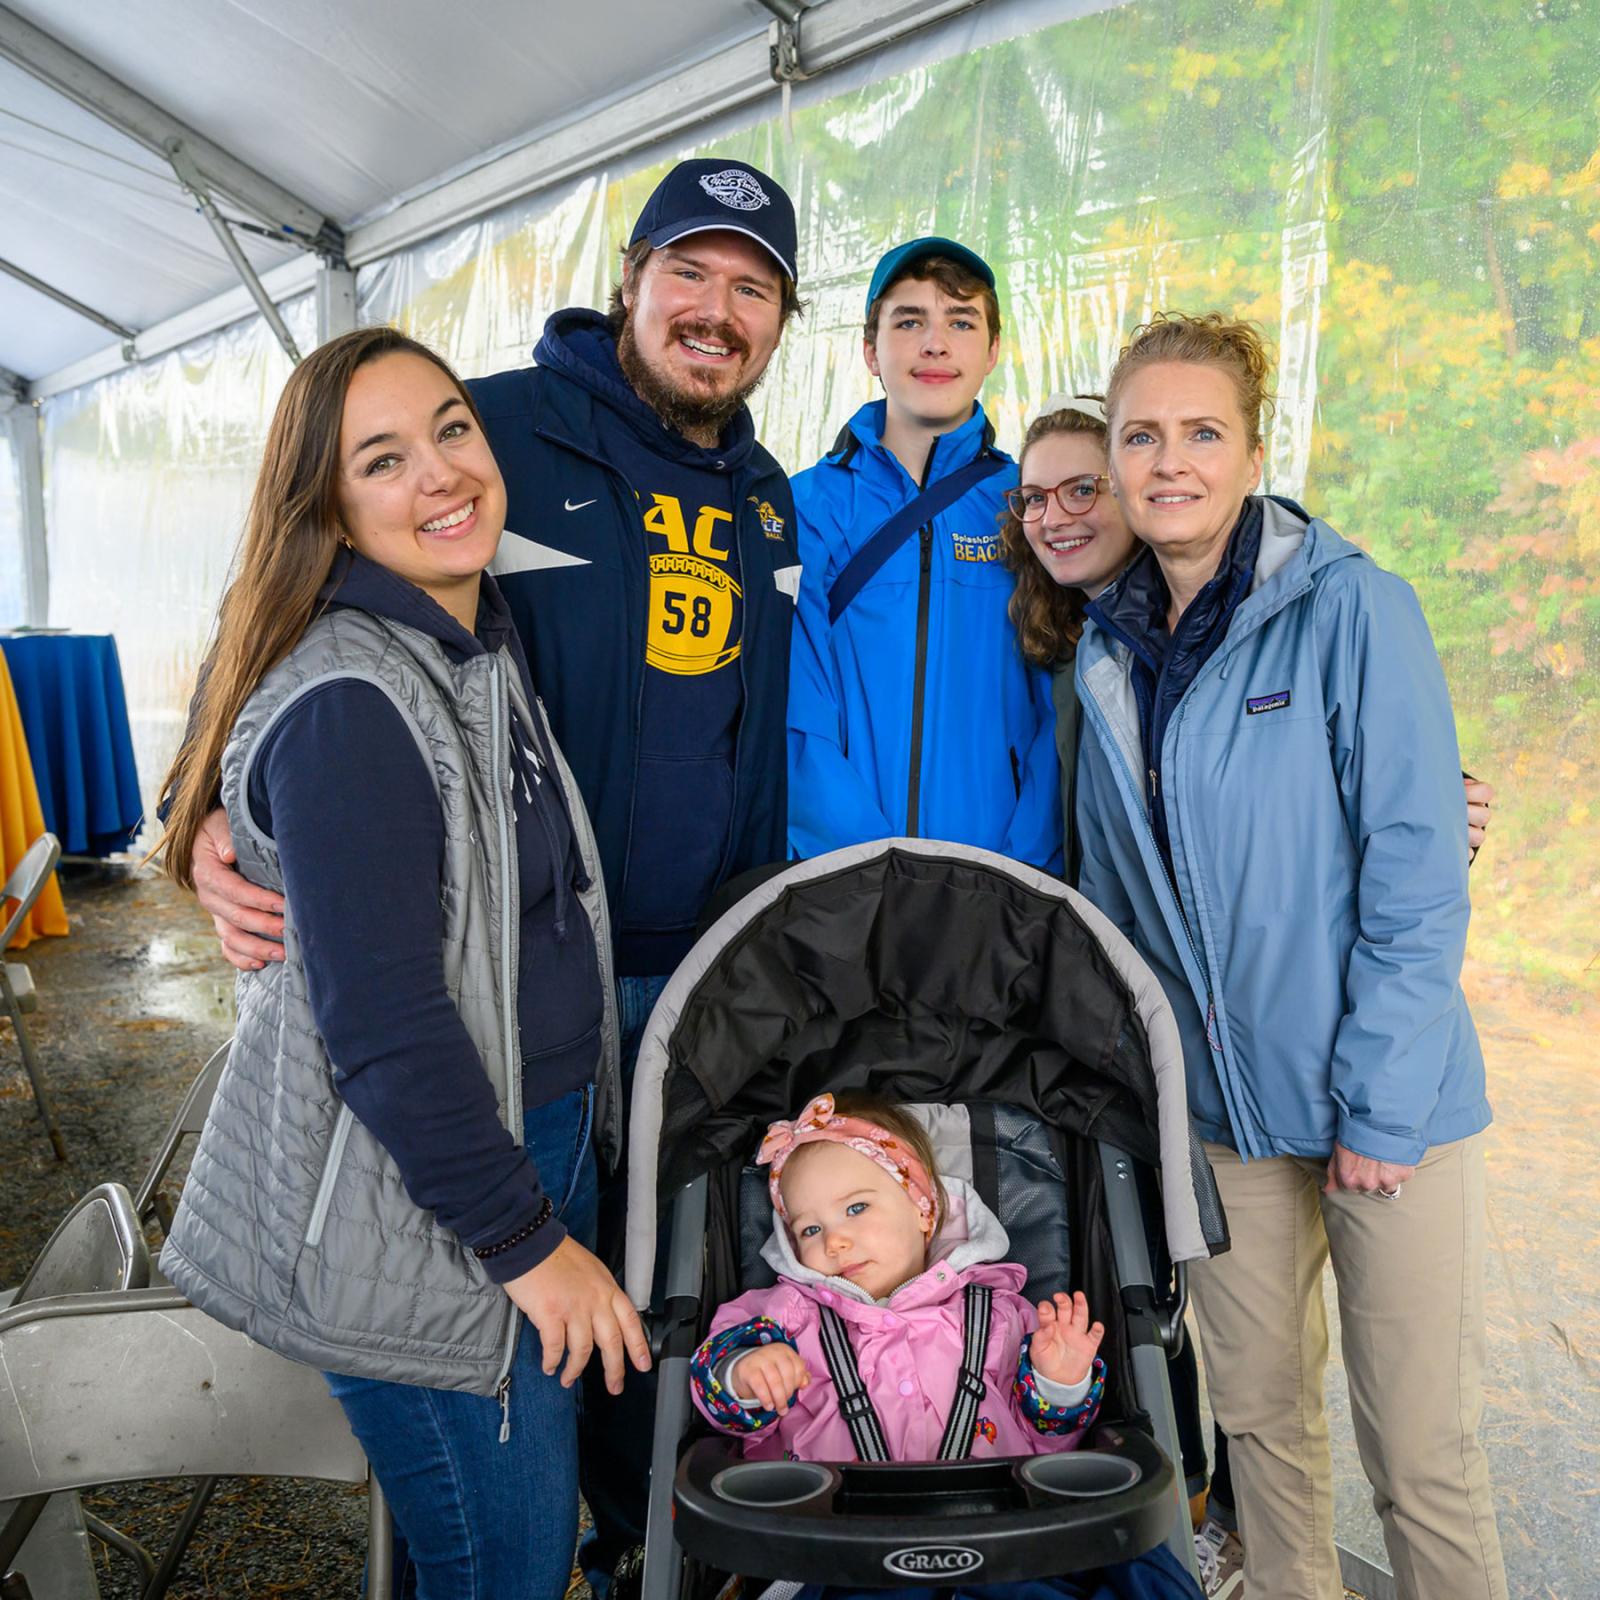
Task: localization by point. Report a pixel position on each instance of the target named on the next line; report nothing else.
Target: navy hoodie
(652, 583)
(340, 785)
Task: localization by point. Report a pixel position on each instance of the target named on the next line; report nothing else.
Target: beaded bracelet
(483, 1252)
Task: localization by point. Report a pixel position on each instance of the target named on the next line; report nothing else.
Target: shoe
(1220, 1556)
(627, 1582)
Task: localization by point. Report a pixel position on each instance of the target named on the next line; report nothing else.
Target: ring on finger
(1389, 1194)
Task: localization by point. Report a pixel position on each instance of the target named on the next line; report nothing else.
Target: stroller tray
(915, 1523)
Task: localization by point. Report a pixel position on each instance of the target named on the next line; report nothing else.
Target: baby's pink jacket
(908, 1349)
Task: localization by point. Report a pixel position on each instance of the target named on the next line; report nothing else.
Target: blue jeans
(617, 1428)
(476, 1519)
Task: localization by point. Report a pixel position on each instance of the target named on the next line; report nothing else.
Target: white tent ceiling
(350, 105)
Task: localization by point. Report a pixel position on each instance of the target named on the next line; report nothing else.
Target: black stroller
(948, 977)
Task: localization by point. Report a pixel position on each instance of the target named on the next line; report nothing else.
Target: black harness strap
(866, 1431)
(861, 1417)
(970, 1387)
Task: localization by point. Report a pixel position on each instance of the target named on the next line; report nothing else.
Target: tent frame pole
(190, 176)
(62, 298)
(41, 56)
(19, 417)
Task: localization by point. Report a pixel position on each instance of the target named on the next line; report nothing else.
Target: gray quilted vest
(294, 1226)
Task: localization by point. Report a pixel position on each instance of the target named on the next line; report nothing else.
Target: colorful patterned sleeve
(1043, 1416)
(721, 1409)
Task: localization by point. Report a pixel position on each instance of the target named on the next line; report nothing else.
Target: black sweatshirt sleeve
(342, 787)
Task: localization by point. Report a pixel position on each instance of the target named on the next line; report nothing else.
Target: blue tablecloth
(75, 716)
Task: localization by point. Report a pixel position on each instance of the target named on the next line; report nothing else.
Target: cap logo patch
(735, 187)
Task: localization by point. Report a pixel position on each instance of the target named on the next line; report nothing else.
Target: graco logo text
(933, 1561)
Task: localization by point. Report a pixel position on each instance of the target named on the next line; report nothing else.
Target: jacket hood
(970, 1236)
(363, 585)
(580, 345)
(953, 449)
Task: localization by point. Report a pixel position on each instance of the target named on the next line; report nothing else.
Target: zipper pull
(503, 1393)
(927, 549)
(1211, 1025)
(1155, 784)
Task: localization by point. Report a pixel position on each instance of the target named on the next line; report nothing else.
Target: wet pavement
(131, 1005)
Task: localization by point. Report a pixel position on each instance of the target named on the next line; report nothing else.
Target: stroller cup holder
(1079, 1474)
(773, 1483)
(899, 1524)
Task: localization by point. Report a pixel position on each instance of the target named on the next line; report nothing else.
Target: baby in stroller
(884, 1269)
(892, 1286)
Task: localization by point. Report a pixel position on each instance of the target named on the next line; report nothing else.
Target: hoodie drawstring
(528, 760)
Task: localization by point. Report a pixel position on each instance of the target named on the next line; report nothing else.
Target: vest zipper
(330, 1176)
(499, 790)
(919, 682)
(589, 853)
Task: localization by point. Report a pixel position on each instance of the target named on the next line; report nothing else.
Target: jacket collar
(862, 439)
(363, 585)
(970, 1236)
(578, 343)
(1294, 546)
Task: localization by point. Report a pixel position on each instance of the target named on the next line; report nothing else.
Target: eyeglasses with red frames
(1074, 496)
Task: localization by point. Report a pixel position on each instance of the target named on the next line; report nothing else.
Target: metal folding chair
(25, 885)
(124, 1380)
(96, 1248)
(151, 1203)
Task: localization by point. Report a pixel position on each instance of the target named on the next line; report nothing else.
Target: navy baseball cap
(699, 196)
(898, 261)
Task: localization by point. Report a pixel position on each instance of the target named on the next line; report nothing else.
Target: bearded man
(650, 567)
(652, 570)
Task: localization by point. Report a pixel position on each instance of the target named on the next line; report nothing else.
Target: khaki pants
(1410, 1281)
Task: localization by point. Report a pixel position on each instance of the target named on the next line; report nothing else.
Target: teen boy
(911, 709)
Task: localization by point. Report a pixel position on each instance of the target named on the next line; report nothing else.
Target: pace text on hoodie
(915, 711)
(340, 784)
(652, 584)
(908, 1348)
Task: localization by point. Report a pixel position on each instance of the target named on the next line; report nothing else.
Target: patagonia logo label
(1266, 702)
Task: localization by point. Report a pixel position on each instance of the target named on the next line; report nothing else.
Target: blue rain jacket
(986, 771)
(1311, 932)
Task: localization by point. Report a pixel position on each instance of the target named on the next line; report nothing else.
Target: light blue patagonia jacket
(915, 712)
(1312, 951)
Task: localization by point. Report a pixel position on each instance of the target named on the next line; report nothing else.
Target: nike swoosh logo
(580, 505)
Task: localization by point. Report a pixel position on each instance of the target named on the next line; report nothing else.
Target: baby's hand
(1063, 1348)
(769, 1374)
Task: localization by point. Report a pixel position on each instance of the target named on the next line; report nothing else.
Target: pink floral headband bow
(820, 1123)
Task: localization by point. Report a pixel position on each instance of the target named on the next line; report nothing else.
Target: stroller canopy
(911, 965)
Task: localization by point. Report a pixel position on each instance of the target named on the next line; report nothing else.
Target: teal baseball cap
(895, 263)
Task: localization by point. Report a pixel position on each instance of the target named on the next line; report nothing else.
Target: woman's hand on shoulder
(576, 1306)
(1480, 796)
(1364, 1174)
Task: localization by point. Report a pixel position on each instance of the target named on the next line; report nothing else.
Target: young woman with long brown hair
(1064, 538)
(397, 1170)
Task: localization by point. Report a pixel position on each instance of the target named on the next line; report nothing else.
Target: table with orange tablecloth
(21, 818)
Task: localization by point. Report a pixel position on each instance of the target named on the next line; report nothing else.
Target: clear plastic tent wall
(147, 477)
(13, 598)
(1407, 198)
